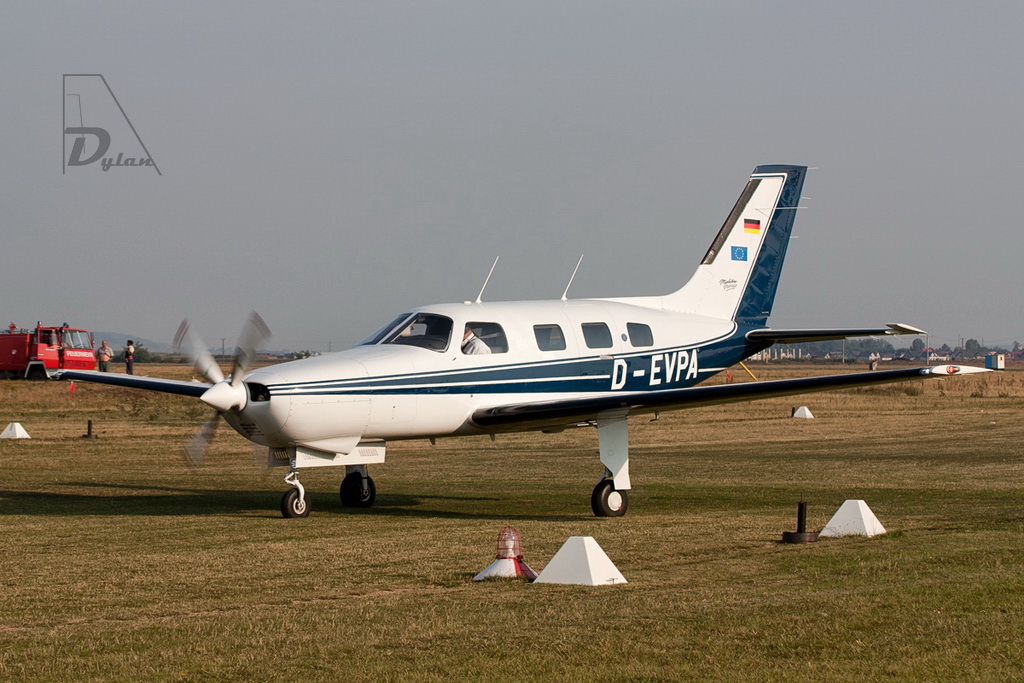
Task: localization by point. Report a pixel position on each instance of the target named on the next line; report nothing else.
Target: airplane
(477, 368)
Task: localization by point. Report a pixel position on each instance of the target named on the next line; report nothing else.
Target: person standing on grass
(103, 355)
(129, 358)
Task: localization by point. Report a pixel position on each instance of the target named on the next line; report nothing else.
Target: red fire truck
(37, 354)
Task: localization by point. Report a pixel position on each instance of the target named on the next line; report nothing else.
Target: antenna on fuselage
(573, 277)
(488, 279)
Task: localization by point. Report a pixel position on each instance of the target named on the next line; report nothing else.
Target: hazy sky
(333, 164)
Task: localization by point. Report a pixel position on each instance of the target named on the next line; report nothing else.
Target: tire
(607, 502)
(37, 374)
(352, 495)
(292, 508)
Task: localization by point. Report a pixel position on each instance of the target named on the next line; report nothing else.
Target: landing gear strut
(357, 488)
(294, 503)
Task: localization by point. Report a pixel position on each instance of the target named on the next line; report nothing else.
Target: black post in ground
(801, 535)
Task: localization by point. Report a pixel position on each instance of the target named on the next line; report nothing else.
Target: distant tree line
(144, 355)
(864, 348)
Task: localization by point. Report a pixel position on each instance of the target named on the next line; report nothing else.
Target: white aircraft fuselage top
(394, 391)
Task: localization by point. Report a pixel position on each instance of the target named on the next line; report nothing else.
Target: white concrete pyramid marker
(14, 431)
(581, 561)
(804, 412)
(853, 518)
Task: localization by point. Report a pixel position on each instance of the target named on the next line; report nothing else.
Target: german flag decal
(752, 226)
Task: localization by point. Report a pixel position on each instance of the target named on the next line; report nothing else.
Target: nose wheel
(294, 506)
(294, 503)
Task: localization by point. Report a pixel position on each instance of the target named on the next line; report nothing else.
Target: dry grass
(121, 563)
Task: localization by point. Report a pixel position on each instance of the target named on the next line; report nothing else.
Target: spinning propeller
(227, 394)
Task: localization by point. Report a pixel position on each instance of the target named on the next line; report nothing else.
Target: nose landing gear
(294, 503)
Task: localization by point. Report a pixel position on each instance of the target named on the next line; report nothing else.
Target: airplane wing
(829, 334)
(561, 413)
(167, 386)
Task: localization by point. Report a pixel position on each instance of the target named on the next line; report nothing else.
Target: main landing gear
(609, 498)
(606, 501)
(357, 488)
(357, 491)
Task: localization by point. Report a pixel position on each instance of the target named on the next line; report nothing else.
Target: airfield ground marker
(801, 535)
(508, 562)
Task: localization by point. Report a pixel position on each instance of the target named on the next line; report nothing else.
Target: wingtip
(903, 328)
(950, 370)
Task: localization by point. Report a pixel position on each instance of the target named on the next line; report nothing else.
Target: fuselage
(413, 379)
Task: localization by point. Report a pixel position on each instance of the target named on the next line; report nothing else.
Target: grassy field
(121, 563)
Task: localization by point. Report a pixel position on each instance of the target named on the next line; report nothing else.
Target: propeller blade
(199, 444)
(253, 334)
(197, 350)
(222, 396)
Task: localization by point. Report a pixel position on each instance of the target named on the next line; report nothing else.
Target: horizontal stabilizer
(561, 413)
(828, 334)
(167, 386)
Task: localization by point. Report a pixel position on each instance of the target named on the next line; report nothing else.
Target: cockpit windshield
(376, 337)
(75, 339)
(425, 330)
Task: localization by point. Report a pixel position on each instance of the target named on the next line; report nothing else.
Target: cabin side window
(490, 334)
(597, 336)
(426, 331)
(549, 337)
(640, 334)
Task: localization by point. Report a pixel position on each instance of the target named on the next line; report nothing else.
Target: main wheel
(352, 494)
(292, 507)
(607, 502)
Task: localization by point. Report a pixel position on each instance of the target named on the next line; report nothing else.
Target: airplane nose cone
(224, 397)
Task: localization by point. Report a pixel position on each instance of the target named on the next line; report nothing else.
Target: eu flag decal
(739, 253)
(752, 226)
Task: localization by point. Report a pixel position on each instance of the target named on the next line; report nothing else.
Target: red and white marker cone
(509, 562)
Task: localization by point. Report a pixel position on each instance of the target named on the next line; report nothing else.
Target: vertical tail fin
(740, 272)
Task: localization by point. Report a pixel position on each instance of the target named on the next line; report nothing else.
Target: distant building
(995, 361)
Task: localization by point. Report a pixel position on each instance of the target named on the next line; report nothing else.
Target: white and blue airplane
(479, 367)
